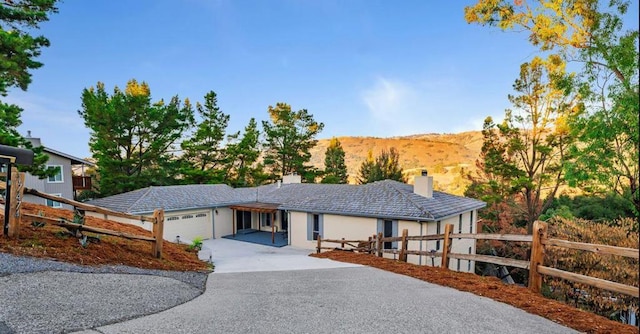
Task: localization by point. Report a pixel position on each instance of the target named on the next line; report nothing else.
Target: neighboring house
(305, 211)
(63, 183)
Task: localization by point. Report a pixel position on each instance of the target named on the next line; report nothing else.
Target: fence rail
(535, 264)
(15, 215)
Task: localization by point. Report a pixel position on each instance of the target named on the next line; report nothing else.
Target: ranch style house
(295, 213)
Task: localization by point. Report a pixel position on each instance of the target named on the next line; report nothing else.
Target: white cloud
(392, 105)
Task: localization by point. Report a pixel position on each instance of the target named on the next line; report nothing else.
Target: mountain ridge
(444, 155)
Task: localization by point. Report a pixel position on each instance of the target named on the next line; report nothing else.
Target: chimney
(35, 142)
(291, 178)
(423, 185)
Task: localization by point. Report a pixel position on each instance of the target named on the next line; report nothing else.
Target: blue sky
(362, 67)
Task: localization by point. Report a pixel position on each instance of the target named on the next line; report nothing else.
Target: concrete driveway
(259, 289)
(231, 256)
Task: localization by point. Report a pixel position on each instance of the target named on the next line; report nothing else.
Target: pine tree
(19, 49)
(289, 137)
(335, 170)
(203, 156)
(242, 169)
(132, 138)
(385, 166)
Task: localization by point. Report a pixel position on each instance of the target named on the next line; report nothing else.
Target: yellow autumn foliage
(137, 89)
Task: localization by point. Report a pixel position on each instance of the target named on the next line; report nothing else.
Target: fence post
(17, 191)
(319, 244)
(380, 244)
(369, 245)
(537, 255)
(403, 246)
(446, 246)
(158, 231)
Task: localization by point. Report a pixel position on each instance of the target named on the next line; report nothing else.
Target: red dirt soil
(491, 287)
(52, 242)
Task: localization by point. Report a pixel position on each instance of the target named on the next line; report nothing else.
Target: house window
(314, 226)
(57, 177)
(173, 218)
(389, 229)
(265, 218)
(470, 221)
(284, 220)
(54, 204)
(438, 232)
(388, 233)
(187, 216)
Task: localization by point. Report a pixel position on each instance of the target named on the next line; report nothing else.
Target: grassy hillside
(443, 155)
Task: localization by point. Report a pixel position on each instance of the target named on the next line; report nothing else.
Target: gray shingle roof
(382, 199)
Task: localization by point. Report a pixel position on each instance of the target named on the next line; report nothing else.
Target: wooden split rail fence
(16, 215)
(535, 265)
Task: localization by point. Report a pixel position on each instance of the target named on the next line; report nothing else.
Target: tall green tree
(386, 166)
(534, 137)
(242, 168)
(495, 171)
(131, 137)
(203, 156)
(592, 34)
(19, 50)
(335, 170)
(289, 135)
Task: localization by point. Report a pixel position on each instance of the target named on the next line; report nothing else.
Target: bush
(196, 244)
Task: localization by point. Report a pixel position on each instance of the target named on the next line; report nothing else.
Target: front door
(243, 220)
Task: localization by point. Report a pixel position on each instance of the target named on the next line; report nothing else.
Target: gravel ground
(45, 296)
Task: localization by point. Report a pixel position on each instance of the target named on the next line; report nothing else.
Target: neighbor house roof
(74, 160)
(382, 199)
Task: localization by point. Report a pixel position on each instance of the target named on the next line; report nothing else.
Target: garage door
(188, 226)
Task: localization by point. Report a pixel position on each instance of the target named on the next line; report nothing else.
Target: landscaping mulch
(50, 241)
(491, 287)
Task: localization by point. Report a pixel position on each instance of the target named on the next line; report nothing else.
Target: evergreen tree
(19, 49)
(367, 171)
(242, 169)
(335, 170)
(385, 166)
(289, 137)
(132, 138)
(203, 156)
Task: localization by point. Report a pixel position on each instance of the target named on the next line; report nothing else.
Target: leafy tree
(534, 138)
(495, 169)
(386, 166)
(592, 34)
(335, 170)
(131, 138)
(203, 155)
(242, 169)
(289, 137)
(18, 51)
(603, 209)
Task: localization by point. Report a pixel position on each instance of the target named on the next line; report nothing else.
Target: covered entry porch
(258, 223)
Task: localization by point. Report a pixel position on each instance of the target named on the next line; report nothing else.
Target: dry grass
(493, 288)
(438, 153)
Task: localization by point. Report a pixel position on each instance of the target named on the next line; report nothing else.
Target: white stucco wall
(361, 228)
(223, 222)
